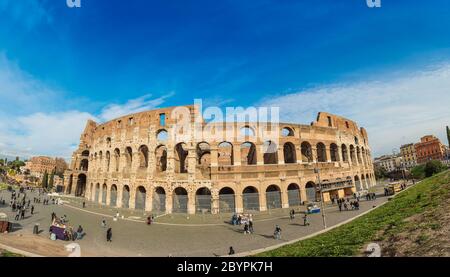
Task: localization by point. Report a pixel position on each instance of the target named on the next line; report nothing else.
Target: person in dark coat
(109, 235)
(231, 252)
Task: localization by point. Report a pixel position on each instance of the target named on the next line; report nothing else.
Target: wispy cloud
(394, 111)
(27, 13)
(143, 103)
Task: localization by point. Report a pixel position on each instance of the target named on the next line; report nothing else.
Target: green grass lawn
(348, 239)
(4, 253)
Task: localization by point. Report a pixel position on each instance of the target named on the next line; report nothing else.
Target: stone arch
(84, 165)
(321, 152)
(81, 186)
(143, 156)
(368, 180)
(140, 198)
(180, 200)
(306, 150)
(104, 193)
(287, 132)
(344, 153)
(358, 155)
(161, 158)
(334, 152)
(311, 191)
(294, 196)
(108, 160)
(289, 153)
(108, 142)
(248, 153)
(250, 199)
(181, 153)
(273, 197)
(97, 193)
(270, 151)
(159, 200)
(129, 157)
(226, 200)
(113, 196)
(162, 135)
(117, 159)
(225, 154)
(85, 153)
(204, 154)
(352, 154)
(126, 197)
(203, 200)
(358, 185)
(246, 132)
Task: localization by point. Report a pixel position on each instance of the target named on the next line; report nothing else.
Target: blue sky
(385, 68)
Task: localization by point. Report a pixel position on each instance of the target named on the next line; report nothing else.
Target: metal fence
(311, 194)
(294, 198)
(179, 203)
(226, 203)
(273, 199)
(159, 202)
(251, 201)
(203, 203)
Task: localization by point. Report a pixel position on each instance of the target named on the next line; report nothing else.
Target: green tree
(380, 172)
(433, 167)
(44, 183)
(418, 172)
(51, 180)
(448, 136)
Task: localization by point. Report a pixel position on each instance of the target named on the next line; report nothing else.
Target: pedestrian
(231, 252)
(149, 220)
(32, 209)
(104, 223)
(17, 215)
(53, 216)
(22, 215)
(305, 220)
(109, 235)
(292, 214)
(84, 204)
(346, 206)
(277, 233)
(80, 233)
(340, 206)
(246, 231)
(250, 226)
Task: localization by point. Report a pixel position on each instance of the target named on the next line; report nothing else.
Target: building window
(346, 124)
(130, 121)
(329, 122)
(162, 119)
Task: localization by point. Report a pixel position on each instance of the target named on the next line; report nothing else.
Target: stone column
(328, 153)
(119, 197)
(262, 201)
(132, 202)
(314, 154)
(74, 185)
(148, 199)
(284, 198)
(237, 155)
(302, 192)
(214, 159)
(339, 154)
(169, 202)
(298, 155)
(108, 195)
(280, 154)
(191, 202)
(238, 203)
(259, 154)
(214, 202)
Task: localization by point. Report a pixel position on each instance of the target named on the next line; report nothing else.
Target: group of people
(371, 196)
(239, 219)
(346, 204)
(68, 232)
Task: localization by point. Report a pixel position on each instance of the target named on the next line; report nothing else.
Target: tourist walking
(305, 220)
(231, 252)
(17, 215)
(292, 214)
(32, 209)
(109, 235)
(277, 233)
(84, 204)
(250, 226)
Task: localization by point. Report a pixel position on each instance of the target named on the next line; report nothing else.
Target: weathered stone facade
(135, 162)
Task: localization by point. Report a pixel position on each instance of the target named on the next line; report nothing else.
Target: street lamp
(317, 171)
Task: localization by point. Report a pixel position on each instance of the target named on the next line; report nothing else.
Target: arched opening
(162, 135)
(321, 153)
(113, 196)
(334, 152)
(108, 160)
(226, 200)
(203, 155)
(143, 156)
(161, 158)
(246, 132)
(81, 186)
(203, 200)
(358, 184)
(289, 153)
(128, 157)
(306, 150)
(358, 154)
(294, 197)
(159, 200)
(270, 151)
(116, 159)
(141, 194)
(287, 132)
(225, 154)
(108, 142)
(311, 192)
(84, 165)
(85, 153)
(344, 153)
(97, 193)
(352, 154)
(180, 200)
(248, 153)
(104, 193)
(181, 154)
(273, 197)
(363, 156)
(126, 197)
(250, 198)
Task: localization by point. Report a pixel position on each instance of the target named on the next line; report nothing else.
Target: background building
(429, 148)
(389, 163)
(408, 153)
(37, 166)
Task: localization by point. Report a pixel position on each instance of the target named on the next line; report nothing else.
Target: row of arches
(225, 155)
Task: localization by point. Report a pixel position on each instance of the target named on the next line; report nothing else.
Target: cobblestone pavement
(135, 238)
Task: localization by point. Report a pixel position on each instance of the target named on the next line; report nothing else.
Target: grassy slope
(378, 225)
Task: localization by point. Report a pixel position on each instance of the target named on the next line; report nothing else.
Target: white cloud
(394, 112)
(140, 104)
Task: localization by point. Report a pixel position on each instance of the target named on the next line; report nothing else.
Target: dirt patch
(423, 235)
(35, 244)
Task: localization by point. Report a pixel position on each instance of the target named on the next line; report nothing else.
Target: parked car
(312, 208)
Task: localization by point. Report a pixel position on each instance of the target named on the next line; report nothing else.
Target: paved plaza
(171, 235)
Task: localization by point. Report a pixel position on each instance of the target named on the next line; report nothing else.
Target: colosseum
(136, 162)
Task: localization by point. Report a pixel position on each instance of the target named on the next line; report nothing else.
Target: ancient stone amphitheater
(138, 162)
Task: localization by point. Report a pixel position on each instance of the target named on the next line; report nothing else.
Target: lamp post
(317, 171)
